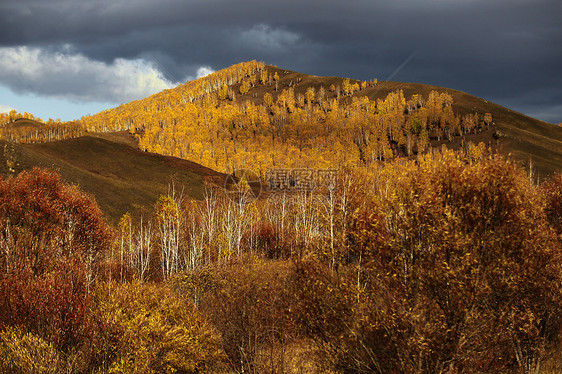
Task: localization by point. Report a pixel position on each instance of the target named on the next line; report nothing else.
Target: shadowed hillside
(122, 178)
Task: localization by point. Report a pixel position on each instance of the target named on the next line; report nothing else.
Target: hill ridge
(122, 178)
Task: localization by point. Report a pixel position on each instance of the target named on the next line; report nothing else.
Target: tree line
(14, 128)
(218, 122)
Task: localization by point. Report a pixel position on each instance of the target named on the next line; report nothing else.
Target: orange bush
(552, 191)
(454, 267)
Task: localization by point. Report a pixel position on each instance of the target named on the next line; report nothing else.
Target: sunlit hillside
(256, 116)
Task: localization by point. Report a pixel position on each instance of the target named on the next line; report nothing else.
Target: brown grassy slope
(121, 177)
(522, 137)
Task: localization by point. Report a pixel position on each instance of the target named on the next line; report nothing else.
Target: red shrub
(51, 239)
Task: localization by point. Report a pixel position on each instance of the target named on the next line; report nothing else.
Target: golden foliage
(23, 353)
(203, 121)
(148, 329)
(448, 261)
(25, 128)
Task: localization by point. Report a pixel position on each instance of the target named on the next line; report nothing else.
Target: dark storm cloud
(505, 50)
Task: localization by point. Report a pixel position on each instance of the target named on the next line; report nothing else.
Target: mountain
(110, 166)
(256, 116)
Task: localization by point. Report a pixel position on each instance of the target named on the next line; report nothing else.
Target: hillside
(414, 261)
(259, 117)
(25, 123)
(519, 135)
(120, 176)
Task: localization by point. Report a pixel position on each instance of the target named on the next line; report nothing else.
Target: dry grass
(122, 178)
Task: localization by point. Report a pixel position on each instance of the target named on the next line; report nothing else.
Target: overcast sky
(67, 58)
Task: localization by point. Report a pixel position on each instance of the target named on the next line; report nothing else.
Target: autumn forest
(432, 251)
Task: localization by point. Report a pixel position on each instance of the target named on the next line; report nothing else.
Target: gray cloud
(264, 37)
(500, 50)
(72, 76)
